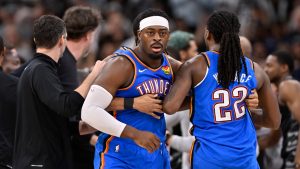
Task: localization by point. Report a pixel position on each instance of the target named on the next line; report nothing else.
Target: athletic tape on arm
(93, 112)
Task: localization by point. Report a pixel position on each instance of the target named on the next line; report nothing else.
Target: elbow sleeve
(93, 112)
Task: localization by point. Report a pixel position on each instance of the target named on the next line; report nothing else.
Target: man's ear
(285, 68)
(61, 41)
(139, 35)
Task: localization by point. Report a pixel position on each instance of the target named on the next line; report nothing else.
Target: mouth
(156, 48)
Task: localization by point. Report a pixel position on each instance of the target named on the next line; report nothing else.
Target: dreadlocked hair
(225, 28)
(147, 13)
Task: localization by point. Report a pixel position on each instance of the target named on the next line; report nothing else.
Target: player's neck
(214, 47)
(146, 59)
(286, 76)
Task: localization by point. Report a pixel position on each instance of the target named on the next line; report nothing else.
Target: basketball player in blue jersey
(134, 139)
(221, 79)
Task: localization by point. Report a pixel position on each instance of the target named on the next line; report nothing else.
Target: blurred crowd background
(270, 25)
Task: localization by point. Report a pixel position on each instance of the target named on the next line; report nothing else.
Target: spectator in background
(42, 130)
(182, 45)
(81, 23)
(11, 60)
(8, 92)
(295, 50)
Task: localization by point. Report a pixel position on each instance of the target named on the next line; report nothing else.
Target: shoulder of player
(120, 61)
(289, 89)
(289, 86)
(174, 63)
(196, 62)
(261, 76)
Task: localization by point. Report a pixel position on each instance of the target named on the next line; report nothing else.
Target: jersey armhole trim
(206, 58)
(202, 79)
(134, 76)
(166, 57)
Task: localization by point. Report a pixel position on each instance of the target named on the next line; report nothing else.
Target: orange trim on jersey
(166, 56)
(134, 77)
(137, 58)
(207, 59)
(252, 64)
(213, 51)
(105, 151)
(191, 107)
(107, 145)
(191, 151)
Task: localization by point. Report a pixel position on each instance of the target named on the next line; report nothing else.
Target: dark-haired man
(81, 24)
(279, 67)
(42, 131)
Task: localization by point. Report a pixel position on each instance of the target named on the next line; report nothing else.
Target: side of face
(190, 52)
(62, 44)
(153, 39)
(193, 49)
(206, 32)
(273, 68)
(89, 40)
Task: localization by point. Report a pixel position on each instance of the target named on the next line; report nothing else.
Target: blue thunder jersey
(221, 121)
(146, 80)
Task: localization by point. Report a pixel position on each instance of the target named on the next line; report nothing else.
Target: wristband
(128, 103)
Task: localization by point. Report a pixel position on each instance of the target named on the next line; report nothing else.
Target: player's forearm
(129, 132)
(93, 112)
(84, 128)
(186, 104)
(257, 117)
(263, 119)
(116, 104)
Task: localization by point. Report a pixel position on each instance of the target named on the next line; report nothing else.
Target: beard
(155, 56)
(274, 79)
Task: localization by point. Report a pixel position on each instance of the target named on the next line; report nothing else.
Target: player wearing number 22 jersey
(222, 125)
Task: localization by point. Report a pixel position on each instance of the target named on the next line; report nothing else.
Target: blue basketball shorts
(199, 161)
(119, 155)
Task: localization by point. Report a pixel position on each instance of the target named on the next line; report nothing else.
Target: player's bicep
(179, 89)
(175, 65)
(116, 73)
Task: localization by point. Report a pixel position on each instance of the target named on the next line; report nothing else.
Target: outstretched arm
(189, 74)
(179, 89)
(271, 116)
(148, 104)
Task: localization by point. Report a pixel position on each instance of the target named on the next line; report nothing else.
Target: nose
(157, 37)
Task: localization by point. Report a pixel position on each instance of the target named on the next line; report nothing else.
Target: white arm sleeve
(93, 112)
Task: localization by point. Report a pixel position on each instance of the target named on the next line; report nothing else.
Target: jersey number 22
(222, 115)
